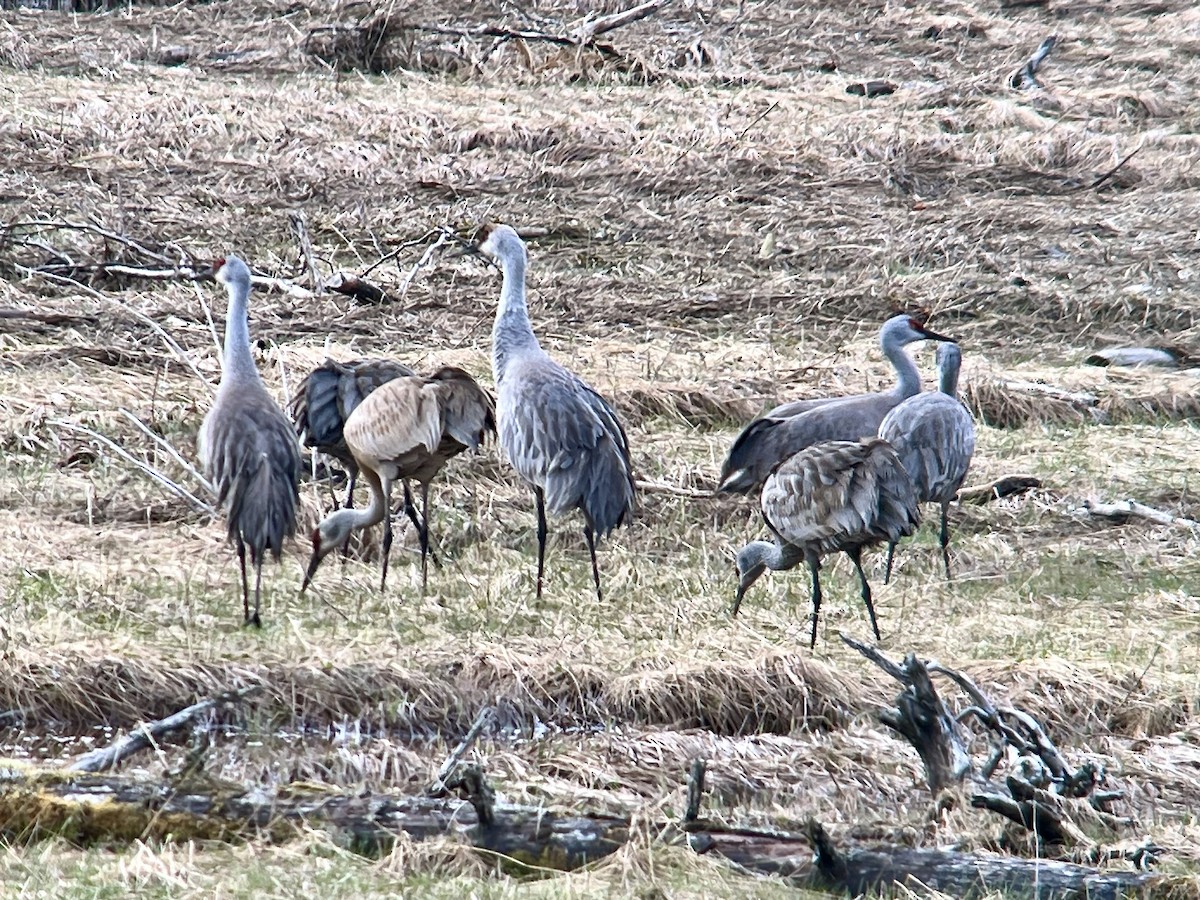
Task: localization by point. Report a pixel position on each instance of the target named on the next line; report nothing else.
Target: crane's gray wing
(795, 407)
(934, 437)
(468, 411)
(253, 460)
(359, 377)
(752, 456)
(315, 409)
(562, 436)
(765, 443)
(840, 492)
(331, 392)
(394, 419)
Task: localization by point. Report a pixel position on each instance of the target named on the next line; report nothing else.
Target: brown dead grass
(720, 228)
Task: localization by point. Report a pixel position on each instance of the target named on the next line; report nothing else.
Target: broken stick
(146, 735)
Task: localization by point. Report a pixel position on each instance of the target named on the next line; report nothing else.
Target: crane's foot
(252, 620)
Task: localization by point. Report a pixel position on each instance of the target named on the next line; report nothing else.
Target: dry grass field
(715, 225)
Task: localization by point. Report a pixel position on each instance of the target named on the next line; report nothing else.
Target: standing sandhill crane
(768, 440)
(247, 446)
(562, 437)
(836, 495)
(934, 437)
(405, 429)
(325, 399)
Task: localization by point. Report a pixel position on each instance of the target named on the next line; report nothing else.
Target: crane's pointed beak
(931, 335)
(311, 571)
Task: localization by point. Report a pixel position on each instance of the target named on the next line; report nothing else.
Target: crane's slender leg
(946, 539)
(856, 557)
(591, 542)
(387, 528)
(541, 536)
(410, 510)
(255, 619)
(241, 552)
(814, 566)
(424, 534)
(887, 575)
(348, 503)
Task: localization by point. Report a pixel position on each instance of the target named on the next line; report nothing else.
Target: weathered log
(85, 809)
(1005, 486)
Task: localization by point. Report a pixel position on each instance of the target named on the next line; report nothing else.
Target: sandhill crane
(836, 495)
(326, 397)
(562, 437)
(893, 337)
(324, 401)
(768, 440)
(405, 429)
(247, 446)
(934, 437)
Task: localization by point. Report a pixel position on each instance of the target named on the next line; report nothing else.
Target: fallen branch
(357, 289)
(1131, 509)
(1115, 169)
(1005, 486)
(375, 32)
(171, 451)
(299, 225)
(142, 466)
(1080, 399)
(147, 735)
(50, 318)
(170, 342)
(439, 786)
(1043, 795)
(37, 803)
(661, 487)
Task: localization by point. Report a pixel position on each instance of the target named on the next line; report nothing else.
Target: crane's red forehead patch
(484, 232)
(218, 263)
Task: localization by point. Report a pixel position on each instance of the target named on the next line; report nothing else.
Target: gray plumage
(767, 440)
(407, 428)
(837, 495)
(934, 437)
(562, 437)
(247, 446)
(326, 398)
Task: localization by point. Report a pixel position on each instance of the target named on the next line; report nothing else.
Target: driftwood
(88, 809)
(1042, 794)
(147, 735)
(77, 805)
(1125, 510)
(1006, 486)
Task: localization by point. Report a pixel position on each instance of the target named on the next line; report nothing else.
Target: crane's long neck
(948, 379)
(512, 334)
(345, 521)
(237, 364)
(908, 379)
